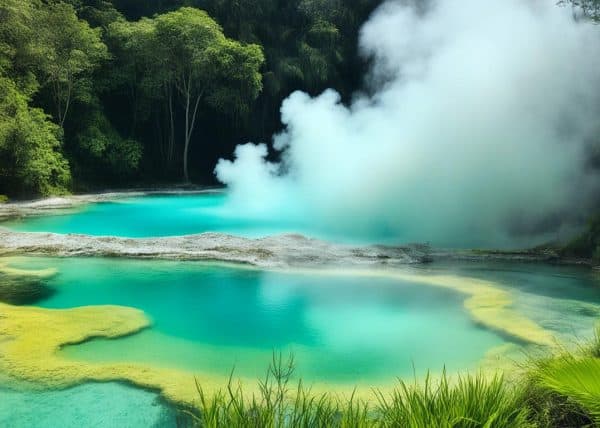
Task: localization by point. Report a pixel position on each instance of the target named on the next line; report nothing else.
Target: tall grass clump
(277, 404)
(573, 385)
(471, 402)
(564, 390)
(556, 391)
(593, 349)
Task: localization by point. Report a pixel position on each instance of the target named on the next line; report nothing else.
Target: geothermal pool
(212, 318)
(344, 330)
(174, 321)
(174, 215)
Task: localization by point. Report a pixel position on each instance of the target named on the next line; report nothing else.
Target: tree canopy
(117, 92)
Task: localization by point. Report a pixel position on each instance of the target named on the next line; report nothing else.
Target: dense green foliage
(557, 391)
(30, 157)
(113, 92)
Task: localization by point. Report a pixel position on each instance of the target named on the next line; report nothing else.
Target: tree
(102, 149)
(16, 43)
(204, 66)
(69, 50)
(131, 46)
(30, 158)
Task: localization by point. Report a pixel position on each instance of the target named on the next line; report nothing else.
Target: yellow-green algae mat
(31, 337)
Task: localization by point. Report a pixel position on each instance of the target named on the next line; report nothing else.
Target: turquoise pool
(210, 318)
(342, 329)
(175, 215)
(88, 405)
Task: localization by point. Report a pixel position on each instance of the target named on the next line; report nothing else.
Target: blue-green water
(339, 328)
(176, 215)
(207, 318)
(210, 318)
(107, 405)
(350, 330)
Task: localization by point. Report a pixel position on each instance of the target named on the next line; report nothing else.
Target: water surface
(175, 215)
(89, 405)
(342, 329)
(210, 318)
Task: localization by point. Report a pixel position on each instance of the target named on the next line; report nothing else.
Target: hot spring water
(343, 330)
(209, 318)
(168, 215)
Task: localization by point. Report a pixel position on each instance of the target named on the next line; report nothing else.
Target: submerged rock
(23, 290)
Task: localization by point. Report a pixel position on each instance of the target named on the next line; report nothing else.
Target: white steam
(477, 125)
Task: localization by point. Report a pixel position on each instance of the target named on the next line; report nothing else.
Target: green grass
(573, 377)
(472, 401)
(556, 391)
(593, 349)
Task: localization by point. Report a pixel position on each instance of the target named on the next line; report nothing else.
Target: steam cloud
(474, 132)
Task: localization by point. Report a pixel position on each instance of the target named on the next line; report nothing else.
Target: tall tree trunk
(63, 114)
(171, 129)
(186, 146)
(190, 122)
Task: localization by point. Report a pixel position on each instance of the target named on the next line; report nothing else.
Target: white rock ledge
(65, 203)
(275, 251)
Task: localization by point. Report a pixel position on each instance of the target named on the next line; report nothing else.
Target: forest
(114, 93)
(300, 213)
